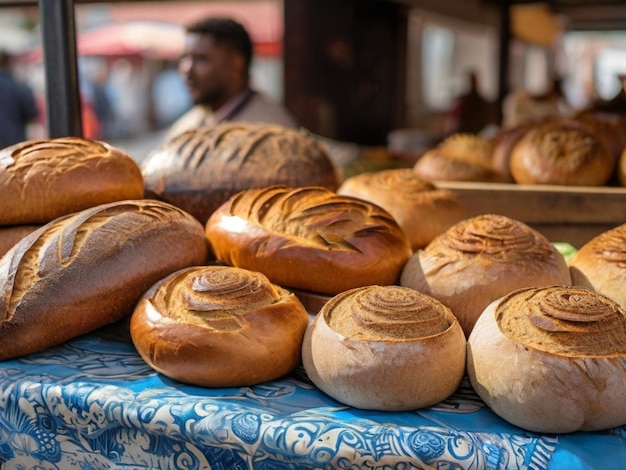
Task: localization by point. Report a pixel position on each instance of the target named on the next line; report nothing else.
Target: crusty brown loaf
(200, 169)
(503, 143)
(561, 152)
(552, 359)
(11, 234)
(219, 326)
(87, 269)
(481, 259)
(460, 157)
(309, 238)
(601, 264)
(422, 210)
(385, 348)
(43, 179)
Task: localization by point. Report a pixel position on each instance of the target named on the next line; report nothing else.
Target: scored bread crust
(219, 326)
(552, 359)
(10, 235)
(422, 209)
(309, 238)
(85, 270)
(43, 179)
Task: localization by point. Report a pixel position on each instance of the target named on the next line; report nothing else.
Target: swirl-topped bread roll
(43, 179)
(481, 259)
(422, 210)
(552, 359)
(385, 348)
(459, 157)
(601, 264)
(200, 169)
(219, 326)
(85, 270)
(561, 152)
(309, 238)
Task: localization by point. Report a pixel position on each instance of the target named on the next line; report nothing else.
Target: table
(93, 403)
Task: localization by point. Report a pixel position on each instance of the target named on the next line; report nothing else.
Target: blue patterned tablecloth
(94, 404)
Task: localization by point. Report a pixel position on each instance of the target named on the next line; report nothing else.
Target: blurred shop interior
(372, 73)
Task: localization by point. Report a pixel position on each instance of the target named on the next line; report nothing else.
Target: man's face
(211, 71)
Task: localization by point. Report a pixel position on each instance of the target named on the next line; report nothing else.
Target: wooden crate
(562, 213)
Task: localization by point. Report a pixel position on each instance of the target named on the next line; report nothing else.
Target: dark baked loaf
(200, 169)
(11, 234)
(82, 271)
(43, 179)
(309, 238)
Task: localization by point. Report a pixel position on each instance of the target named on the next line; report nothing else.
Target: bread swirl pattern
(47, 178)
(219, 326)
(309, 238)
(82, 271)
(552, 359)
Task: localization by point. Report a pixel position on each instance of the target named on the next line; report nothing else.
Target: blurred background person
(18, 107)
(216, 68)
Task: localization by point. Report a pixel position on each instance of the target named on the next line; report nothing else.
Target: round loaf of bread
(552, 359)
(200, 169)
(561, 152)
(422, 210)
(601, 264)
(385, 348)
(503, 143)
(85, 270)
(309, 238)
(11, 234)
(219, 326)
(481, 259)
(43, 179)
(460, 157)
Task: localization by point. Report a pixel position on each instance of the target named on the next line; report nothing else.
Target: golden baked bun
(11, 234)
(422, 210)
(503, 143)
(309, 238)
(219, 326)
(43, 179)
(460, 157)
(607, 127)
(561, 152)
(200, 169)
(552, 359)
(601, 264)
(481, 259)
(385, 348)
(88, 269)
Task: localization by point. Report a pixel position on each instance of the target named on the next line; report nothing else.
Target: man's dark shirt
(17, 108)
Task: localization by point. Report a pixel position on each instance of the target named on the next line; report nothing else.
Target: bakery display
(200, 169)
(46, 178)
(87, 269)
(309, 238)
(459, 157)
(11, 234)
(561, 152)
(422, 210)
(481, 259)
(385, 348)
(219, 326)
(552, 359)
(601, 264)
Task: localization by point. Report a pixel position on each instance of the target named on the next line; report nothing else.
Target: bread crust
(85, 270)
(43, 179)
(219, 326)
(309, 238)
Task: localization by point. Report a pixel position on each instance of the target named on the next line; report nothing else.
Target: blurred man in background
(17, 105)
(216, 67)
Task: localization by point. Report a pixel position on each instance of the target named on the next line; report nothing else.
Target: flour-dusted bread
(219, 326)
(552, 359)
(385, 348)
(200, 169)
(481, 259)
(421, 208)
(601, 264)
(43, 179)
(85, 270)
(309, 238)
